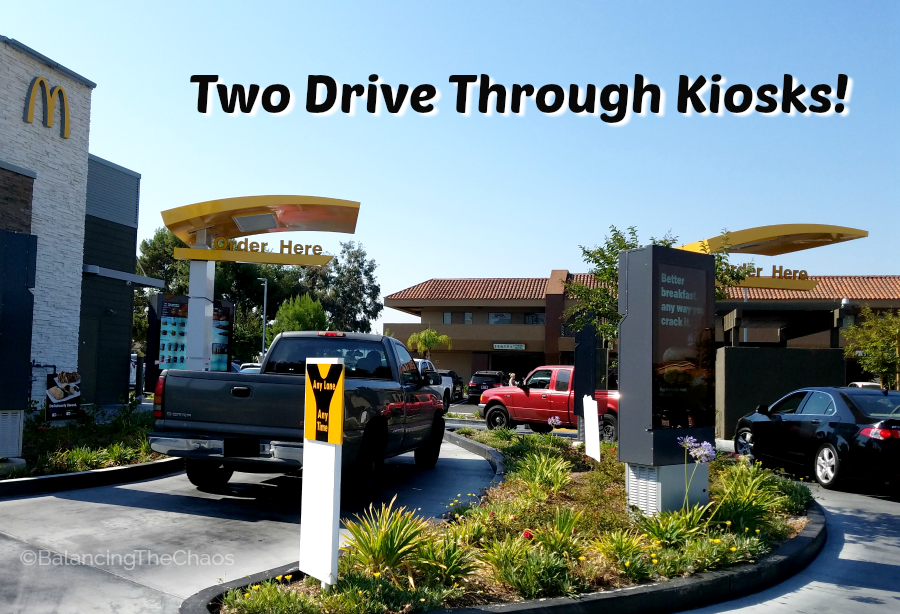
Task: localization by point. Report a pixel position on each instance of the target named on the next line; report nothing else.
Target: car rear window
(485, 379)
(876, 404)
(362, 359)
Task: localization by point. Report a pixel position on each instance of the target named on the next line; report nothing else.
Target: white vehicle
(866, 385)
(446, 384)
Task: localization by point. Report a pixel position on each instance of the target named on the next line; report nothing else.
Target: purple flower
(703, 453)
(554, 421)
(688, 443)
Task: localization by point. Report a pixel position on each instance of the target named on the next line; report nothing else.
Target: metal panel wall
(113, 192)
(18, 253)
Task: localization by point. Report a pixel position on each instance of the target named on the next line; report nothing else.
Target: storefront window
(499, 318)
(447, 317)
(535, 318)
(468, 319)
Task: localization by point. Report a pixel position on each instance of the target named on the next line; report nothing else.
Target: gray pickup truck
(226, 422)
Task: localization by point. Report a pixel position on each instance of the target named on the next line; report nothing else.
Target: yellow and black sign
(324, 416)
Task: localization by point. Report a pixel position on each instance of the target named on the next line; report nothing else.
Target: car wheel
(497, 418)
(427, 455)
(828, 466)
(207, 474)
(539, 427)
(609, 428)
(446, 401)
(743, 443)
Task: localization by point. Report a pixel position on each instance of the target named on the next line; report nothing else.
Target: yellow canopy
(231, 218)
(778, 239)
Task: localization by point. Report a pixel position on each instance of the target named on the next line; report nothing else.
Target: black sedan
(836, 432)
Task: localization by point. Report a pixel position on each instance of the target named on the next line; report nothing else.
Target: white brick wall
(58, 204)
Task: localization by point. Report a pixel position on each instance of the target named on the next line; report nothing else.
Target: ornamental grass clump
(267, 598)
(357, 593)
(544, 474)
(747, 498)
(627, 552)
(531, 572)
(445, 561)
(670, 529)
(385, 540)
(561, 536)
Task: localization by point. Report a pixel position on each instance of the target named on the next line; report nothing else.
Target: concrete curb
(463, 422)
(486, 452)
(696, 591)
(89, 479)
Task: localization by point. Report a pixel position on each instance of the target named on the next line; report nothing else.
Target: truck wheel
(359, 480)
(539, 427)
(497, 417)
(609, 429)
(446, 400)
(427, 455)
(207, 474)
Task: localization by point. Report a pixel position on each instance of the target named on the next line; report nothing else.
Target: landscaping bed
(558, 526)
(84, 443)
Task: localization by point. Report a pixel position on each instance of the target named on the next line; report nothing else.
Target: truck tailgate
(234, 398)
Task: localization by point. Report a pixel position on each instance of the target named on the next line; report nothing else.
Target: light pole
(265, 297)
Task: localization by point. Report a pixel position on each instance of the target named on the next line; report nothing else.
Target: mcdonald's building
(68, 233)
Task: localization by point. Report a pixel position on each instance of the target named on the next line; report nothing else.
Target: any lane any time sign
(323, 433)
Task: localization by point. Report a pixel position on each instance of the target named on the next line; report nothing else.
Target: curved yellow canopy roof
(778, 239)
(251, 215)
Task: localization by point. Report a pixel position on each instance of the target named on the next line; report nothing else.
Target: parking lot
(251, 526)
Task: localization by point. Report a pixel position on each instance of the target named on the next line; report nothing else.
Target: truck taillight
(158, 396)
(331, 334)
(881, 434)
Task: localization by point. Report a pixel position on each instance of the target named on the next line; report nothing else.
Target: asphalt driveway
(145, 547)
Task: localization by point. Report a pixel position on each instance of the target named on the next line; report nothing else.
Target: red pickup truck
(546, 393)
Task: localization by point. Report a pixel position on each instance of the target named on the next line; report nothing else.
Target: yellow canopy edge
(778, 239)
(291, 213)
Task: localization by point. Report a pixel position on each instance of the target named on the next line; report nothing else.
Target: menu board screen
(683, 368)
(173, 327)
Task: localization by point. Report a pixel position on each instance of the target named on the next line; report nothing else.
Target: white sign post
(323, 433)
(591, 428)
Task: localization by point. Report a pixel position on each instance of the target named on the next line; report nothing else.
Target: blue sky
(477, 196)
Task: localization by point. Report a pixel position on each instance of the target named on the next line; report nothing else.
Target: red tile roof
(831, 287)
(503, 289)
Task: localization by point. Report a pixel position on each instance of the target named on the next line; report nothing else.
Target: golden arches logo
(50, 96)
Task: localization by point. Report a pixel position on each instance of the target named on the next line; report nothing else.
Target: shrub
(542, 473)
(626, 551)
(356, 593)
(381, 541)
(670, 562)
(674, 528)
(120, 454)
(747, 498)
(797, 496)
(561, 537)
(267, 598)
(469, 529)
(466, 431)
(503, 434)
(477, 414)
(445, 561)
(531, 573)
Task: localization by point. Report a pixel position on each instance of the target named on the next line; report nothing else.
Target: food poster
(172, 327)
(221, 337)
(63, 395)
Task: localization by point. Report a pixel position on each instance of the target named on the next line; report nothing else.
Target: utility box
(657, 489)
(666, 368)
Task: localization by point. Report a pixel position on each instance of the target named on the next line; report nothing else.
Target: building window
(468, 318)
(499, 318)
(447, 317)
(535, 318)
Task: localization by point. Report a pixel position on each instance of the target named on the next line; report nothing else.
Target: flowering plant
(554, 421)
(701, 453)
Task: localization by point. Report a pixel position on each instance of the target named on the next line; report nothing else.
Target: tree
(875, 343)
(426, 340)
(157, 259)
(299, 313)
(597, 304)
(347, 289)
(247, 335)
